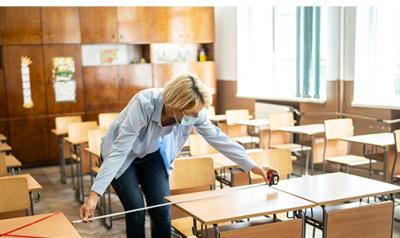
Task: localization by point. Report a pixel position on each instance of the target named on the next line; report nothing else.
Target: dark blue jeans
(148, 172)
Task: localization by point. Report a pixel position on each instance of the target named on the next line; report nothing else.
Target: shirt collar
(159, 104)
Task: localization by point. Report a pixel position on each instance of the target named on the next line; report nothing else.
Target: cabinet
(60, 25)
(3, 101)
(98, 24)
(134, 24)
(132, 79)
(21, 25)
(183, 24)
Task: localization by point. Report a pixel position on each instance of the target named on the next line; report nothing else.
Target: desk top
(253, 122)
(11, 161)
(4, 147)
(2, 138)
(58, 133)
(311, 129)
(335, 187)
(76, 141)
(53, 226)
(378, 139)
(33, 185)
(94, 152)
(218, 118)
(218, 206)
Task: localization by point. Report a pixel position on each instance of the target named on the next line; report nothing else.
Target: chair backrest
(334, 130)
(94, 138)
(337, 128)
(236, 115)
(14, 199)
(191, 173)
(199, 146)
(280, 159)
(280, 119)
(105, 119)
(63, 122)
(397, 139)
(3, 166)
(81, 129)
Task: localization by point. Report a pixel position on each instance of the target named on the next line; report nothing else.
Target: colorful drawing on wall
(26, 82)
(64, 82)
(108, 56)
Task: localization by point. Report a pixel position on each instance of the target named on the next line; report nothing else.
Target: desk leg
(303, 224)
(216, 231)
(60, 143)
(81, 189)
(325, 222)
(32, 207)
(72, 151)
(392, 199)
(385, 155)
(312, 155)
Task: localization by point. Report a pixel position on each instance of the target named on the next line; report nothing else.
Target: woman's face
(192, 112)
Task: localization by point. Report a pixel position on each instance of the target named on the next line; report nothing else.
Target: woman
(142, 143)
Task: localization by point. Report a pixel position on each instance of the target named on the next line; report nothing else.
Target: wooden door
(50, 51)
(134, 24)
(12, 67)
(22, 25)
(98, 24)
(60, 25)
(199, 24)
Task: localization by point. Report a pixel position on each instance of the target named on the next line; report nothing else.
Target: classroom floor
(61, 197)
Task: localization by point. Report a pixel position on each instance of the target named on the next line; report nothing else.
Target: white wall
(225, 42)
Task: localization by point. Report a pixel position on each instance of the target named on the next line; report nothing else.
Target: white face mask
(186, 120)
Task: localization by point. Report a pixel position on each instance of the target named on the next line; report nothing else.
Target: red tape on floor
(8, 233)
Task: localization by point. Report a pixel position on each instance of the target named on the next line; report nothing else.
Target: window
(267, 54)
(377, 57)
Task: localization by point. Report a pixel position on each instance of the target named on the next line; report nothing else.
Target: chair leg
(347, 169)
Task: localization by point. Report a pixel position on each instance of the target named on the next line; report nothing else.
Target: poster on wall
(26, 82)
(64, 82)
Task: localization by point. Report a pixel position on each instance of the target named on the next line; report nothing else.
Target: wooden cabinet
(134, 24)
(183, 24)
(49, 52)
(101, 86)
(29, 139)
(21, 25)
(98, 24)
(60, 25)
(3, 98)
(12, 67)
(162, 73)
(132, 79)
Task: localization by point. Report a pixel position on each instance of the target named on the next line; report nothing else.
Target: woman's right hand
(89, 207)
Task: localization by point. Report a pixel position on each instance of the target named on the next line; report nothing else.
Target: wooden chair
(198, 146)
(239, 133)
(78, 138)
(3, 166)
(63, 122)
(396, 154)
(280, 159)
(105, 119)
(189, 175)
(14, 199)
(337, 151)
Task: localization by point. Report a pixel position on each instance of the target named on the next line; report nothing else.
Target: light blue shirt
(137, 131)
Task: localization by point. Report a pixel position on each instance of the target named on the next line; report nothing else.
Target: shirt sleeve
(128, 132)
(224, 144)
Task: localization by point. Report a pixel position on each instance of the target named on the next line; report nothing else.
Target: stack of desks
(44, 225)
(297, 195)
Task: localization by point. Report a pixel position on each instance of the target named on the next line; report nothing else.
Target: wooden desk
(4, 147)
(219, 206)
(335, 188)
(383, 140)
(33, 186)
(3, 138)
(54, 226)
(306, 130)
(218, 118)
(261, 123)
(12, 163)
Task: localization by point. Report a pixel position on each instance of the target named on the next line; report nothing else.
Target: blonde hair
(185, 92)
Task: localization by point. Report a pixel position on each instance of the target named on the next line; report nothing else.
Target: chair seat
(317, 211)
(184, 225)
(95, 169)
(292, 147)
(351, 160)
(247, 139)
